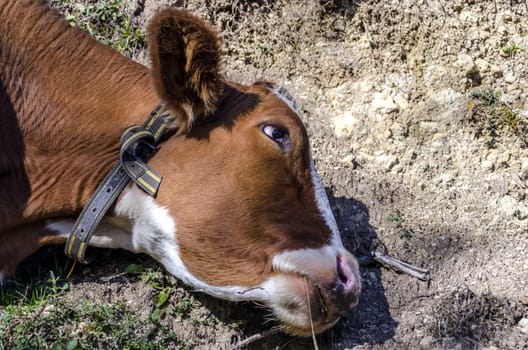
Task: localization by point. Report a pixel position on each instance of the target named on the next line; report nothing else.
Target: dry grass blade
(316, 347)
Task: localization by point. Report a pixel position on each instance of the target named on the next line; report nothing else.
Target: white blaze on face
(319, 191)
(154, 232)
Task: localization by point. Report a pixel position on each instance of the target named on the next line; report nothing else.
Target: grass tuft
(108, 21)
(403, 230)
(494, 118)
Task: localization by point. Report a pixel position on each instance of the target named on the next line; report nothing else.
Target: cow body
(240, 214)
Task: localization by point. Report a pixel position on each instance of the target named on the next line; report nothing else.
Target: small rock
(466, 64)
(524, 169)
(384, 103)
(397, 129)
(518, 181)
(48, 310)
(387, 161)
(435, 73)
(496, 71)
(345, 124)
(348, 160)
(482, 65)
(522, 212)
(488, 165)
(523, 325)
(503, 158)
(492, 155)
(509, 77)
(426, 342)
(508, 206)
(502, 30)
(401, 101)
(446, 97)
(524, 300)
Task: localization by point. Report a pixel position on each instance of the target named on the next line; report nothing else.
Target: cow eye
(278, 134)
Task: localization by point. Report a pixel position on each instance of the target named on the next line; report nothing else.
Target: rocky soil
(418, 117)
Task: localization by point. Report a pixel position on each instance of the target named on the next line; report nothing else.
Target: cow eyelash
(278, 134)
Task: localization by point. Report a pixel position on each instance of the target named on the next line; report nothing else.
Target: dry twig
(254, 338)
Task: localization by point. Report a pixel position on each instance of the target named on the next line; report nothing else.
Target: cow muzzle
(313, 288)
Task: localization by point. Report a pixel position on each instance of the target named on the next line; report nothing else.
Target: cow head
(241, 213)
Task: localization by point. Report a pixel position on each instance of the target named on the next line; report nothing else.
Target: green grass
(493, 117)
(163, 287)
(35, 290)
(398, 222)
(108, 21)
(81, 325)
(512, 49)
(490, 97)
(37, 313)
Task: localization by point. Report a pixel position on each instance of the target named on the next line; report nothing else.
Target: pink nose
(347, 286)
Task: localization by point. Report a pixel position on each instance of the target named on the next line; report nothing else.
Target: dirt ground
(417, 113)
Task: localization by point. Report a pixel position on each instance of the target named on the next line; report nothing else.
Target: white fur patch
(107, 235)
(306, 262)
(154, 232)
(324, 206)
(173, 263)
(151, 223)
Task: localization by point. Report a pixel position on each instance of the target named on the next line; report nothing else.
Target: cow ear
(185, 56)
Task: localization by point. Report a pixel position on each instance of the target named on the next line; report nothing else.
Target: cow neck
(138, 145)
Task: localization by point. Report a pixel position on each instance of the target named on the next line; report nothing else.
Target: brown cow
(241, 213)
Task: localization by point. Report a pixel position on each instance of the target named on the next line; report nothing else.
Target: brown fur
(64, 100)
(232, 191)
(185, 60)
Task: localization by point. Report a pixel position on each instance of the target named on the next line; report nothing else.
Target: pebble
(482, 65)
(503, 159)
(426, 342)
(345, 124)
(48, 310)
(524, 167)
(522, 212)
(387, 161)
(509, 77)
(435, 73)
(508, 206)
(496, 71)
(446, 97)
(488, 165)
(523, 325)
(401, 101)
(502, 30)
(524, 300)
(384, 103)
(466, 64)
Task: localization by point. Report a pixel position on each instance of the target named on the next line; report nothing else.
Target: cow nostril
(346, 276)
(343, 278)
(347, 284)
